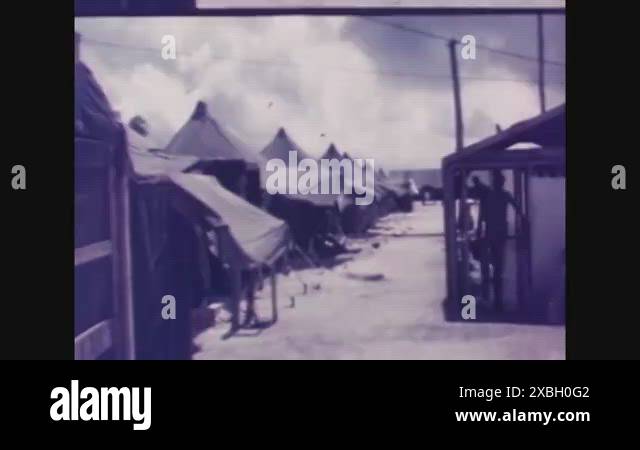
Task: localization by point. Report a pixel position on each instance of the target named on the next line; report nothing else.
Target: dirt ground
(381, 303)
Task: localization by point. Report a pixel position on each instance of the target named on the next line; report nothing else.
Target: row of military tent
(188, 238)
(308, 215)
(358, 218)
(197, 228)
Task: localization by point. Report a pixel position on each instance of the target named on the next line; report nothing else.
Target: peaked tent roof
(146, 164)
(204, 137)
(346, 183)
(380, 186)
(280, 146)
(332, 153)
(148, 161)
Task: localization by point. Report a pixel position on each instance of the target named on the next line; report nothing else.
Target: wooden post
(527, 206)
(456, 95)
(260, 277)
(251, 316)
(449, 202)
(541, 62)
(76, 47)
(234, 272)
(122, 265)
(517, 191)
(274, 296)
(464, 211)
(235, 277)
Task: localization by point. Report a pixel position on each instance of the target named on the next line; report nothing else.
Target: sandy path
(397, 317)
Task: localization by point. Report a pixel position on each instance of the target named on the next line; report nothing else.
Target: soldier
(493, 231)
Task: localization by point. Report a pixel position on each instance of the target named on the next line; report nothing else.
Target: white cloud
(219, 61)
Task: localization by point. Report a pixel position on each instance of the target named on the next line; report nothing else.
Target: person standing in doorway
(493, 230)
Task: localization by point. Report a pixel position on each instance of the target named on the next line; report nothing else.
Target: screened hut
(525, 283)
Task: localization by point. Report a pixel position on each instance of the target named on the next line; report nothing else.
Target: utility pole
(541, 62)
(456, 95)
(462, 207)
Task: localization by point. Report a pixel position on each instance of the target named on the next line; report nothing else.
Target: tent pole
(450, 235)
(122, 264)
(517, 190)
(235, 275)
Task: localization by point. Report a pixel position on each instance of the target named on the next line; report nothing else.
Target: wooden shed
(530, 156)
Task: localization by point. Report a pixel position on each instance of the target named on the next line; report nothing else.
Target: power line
(446, 39)
(287, 64)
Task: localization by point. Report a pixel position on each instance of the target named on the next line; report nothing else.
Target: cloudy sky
(375, 90)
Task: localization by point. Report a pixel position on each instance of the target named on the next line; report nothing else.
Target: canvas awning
(259, 237)
(147, 164)
(262, 237)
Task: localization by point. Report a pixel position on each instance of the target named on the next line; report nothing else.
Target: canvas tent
(145, 229)
(280, 146)
(345, 182)
(259, 237)
(211, 235)
(204, 137)
(332, 153)
(309, 215)
(358, 218)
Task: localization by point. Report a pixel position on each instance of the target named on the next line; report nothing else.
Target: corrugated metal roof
(547, 130)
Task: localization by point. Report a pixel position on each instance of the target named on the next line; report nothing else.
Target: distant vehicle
(430, 193)
(409, 194)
